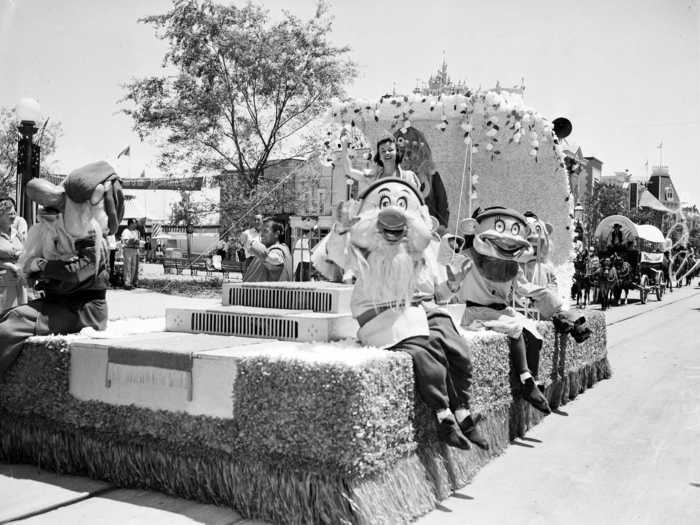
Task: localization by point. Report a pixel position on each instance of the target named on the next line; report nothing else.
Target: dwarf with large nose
(391, 232)
(387, 240)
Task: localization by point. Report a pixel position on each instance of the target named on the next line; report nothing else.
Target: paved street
(625, 452)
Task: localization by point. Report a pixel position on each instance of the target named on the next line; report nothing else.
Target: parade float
(268, 403)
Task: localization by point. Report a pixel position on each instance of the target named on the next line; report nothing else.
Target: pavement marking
(51, 508)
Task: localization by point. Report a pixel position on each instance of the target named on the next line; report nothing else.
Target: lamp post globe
(28, 110)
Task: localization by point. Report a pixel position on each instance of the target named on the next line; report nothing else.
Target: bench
(232, 267)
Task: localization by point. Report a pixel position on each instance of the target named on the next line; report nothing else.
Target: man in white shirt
(130, 242)
(271, 259)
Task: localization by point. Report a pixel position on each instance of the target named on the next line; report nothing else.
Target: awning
(647, 200)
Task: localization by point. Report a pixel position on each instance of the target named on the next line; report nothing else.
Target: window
(668, 193)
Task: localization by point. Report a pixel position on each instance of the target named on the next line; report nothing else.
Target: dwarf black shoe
(469, 429)
(534, 396)
(580, 333)
(449, 432)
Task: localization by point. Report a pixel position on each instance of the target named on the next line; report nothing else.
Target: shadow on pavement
(521, 444)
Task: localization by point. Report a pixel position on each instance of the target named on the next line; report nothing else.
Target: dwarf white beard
(389, 274)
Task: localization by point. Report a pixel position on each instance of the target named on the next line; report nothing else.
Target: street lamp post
(28, 155)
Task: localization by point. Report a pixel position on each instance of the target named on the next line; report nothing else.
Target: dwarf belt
(366, 316)
(493, 306)
(81, 296)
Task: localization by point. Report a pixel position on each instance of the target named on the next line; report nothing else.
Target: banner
(142, 183)
(184, 184)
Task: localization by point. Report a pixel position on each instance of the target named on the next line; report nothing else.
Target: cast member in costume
(387, 162)
(66, 253)
(416, 156)
(496, 239)
(385, 238)
(537, 266)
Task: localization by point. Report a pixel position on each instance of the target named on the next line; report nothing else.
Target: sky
(626, 73)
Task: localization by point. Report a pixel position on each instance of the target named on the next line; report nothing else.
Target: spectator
(689, 267)
(11, 247)
(666, 269)
(160, 254)
(302, 257)
(251, 235)
(19, 225)
(112, 245)
(271, 260)
(147, 247)
(220, 249)
(130, 249)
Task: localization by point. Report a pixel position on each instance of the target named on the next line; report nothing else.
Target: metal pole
(25, 162)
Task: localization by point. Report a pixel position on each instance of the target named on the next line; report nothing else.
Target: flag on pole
(143, 173)
(126, 152)
(156, 231)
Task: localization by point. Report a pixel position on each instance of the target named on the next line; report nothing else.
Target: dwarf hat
(384, 180)
(480, 215)
(80, 183)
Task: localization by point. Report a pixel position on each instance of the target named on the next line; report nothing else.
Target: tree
(189, 211)
(9, 136)
(605, 200)
(243, 87)
(645, 216)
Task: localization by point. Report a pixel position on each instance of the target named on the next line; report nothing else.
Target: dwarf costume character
(498, 238)
(385, 238)
(66, 253)
(537, 266)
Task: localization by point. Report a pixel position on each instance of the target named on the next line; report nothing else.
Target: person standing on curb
(130, 243)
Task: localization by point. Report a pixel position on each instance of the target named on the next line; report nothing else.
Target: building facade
(661, 186)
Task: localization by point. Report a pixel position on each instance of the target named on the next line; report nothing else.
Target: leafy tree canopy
(9, 136)
(238, 86)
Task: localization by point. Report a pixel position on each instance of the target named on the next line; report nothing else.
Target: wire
(235, 224)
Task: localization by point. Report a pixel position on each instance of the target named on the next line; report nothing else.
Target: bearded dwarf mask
(389, 230)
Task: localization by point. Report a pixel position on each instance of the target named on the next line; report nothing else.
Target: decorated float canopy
(640, 236)
(488, 147)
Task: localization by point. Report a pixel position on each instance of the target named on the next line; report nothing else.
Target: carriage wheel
(643, 291)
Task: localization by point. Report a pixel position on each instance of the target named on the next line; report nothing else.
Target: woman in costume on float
(12, 291)
(387, 162)
(416, 155)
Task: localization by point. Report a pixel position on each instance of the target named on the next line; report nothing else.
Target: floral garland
(519, 123)
(487, 121)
